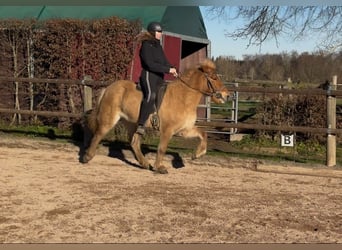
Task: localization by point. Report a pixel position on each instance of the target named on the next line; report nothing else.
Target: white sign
(287, 140)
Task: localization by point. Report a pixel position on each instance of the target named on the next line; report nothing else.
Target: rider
(154, 65)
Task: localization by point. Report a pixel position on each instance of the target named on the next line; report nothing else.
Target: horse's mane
(207, 66)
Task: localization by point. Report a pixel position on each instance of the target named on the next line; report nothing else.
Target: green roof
(183, 20)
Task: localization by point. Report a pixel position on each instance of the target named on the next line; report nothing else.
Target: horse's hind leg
(136, 146)
(101, 131)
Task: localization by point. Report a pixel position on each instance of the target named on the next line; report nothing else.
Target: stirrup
(140, 130)
(155, 121)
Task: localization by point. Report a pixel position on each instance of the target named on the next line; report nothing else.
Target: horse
(177, 112)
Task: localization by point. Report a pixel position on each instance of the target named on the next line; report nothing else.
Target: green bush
(306, 111)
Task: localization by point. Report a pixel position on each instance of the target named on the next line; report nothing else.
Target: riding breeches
(150, 83)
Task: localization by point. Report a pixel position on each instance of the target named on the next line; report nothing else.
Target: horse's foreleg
(202, 146)
(202, 135)
(162, 146)
(135, 140)
(136, 146)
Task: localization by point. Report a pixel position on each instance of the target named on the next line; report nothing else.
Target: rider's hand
(173, 71)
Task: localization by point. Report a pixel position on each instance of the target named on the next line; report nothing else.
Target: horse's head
(214, 87)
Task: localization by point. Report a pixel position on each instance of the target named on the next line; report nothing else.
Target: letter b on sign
(287, 140)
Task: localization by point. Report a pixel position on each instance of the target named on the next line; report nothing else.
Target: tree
(15, 35)
(265, 22)
(226, 66)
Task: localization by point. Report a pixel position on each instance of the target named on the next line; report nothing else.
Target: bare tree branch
(261, 23)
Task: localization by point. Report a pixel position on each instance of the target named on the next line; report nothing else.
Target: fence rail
(269, 90)
(85, 81)
(210, 124)
(273, 90)
(270, 127)
(41, 113)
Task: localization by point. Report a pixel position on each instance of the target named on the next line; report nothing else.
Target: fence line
(86, 81)
(271, 90)
(217, 125)
(41, 113)
(331, 92)
(270, 127)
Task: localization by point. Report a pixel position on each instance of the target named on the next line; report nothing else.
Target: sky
(225, 46)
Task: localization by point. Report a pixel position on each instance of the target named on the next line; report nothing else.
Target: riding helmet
(153, 27)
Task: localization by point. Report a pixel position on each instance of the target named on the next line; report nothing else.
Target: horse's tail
(100, 97)
(89, 120)
(89, 117)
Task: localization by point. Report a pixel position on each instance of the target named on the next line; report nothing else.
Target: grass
(248, 147)
(37, 131)
(303, 152)
(247, 109)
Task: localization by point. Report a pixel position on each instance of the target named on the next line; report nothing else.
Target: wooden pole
(88, 95)
(331, 124)
(87, 105)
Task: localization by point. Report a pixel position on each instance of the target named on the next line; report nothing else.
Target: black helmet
(153, 27)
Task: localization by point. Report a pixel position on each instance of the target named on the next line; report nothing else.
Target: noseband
(213, 92)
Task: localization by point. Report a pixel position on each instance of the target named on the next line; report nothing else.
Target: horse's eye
(214, 76)
(218, 95)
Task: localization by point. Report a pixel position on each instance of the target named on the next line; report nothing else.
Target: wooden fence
(331, 93)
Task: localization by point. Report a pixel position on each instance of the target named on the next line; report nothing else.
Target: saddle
(154, 118)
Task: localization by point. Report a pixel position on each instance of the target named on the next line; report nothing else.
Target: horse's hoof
(145, 166)
(161, 170)
(86, 159)
(198, 155)
(194, 156)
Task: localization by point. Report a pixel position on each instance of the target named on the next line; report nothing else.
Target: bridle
(213, 92)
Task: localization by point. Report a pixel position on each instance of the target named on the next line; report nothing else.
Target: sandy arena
(47, 196)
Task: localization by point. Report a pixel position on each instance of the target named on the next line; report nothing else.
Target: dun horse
(177, 112)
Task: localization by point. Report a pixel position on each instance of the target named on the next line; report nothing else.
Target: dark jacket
(152, 56)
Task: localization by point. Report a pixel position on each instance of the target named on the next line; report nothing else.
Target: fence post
(87, 95)
(331, 124)
(235, 108)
